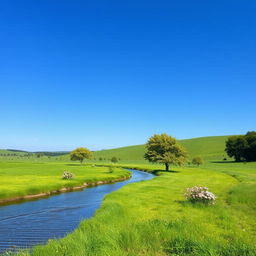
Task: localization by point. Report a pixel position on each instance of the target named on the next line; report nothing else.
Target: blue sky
(104, 74)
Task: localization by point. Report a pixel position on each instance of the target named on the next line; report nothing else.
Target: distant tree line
(14, 154)
(17, 150)
(57, 153)
(242, 147)
(113, 159)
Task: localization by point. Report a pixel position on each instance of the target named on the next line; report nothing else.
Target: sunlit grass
(153, 217)
(25, 178)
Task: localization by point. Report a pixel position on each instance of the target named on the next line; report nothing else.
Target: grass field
(209, 148)
(153, 218)
(25, 178)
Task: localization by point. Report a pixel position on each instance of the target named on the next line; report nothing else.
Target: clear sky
(104, 74)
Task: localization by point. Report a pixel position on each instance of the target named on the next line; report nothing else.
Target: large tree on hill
(162, 148)
(242, 147)
(250, 151)
(80, 154)
(236, 147)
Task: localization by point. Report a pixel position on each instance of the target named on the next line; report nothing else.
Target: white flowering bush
(67, 175)
(200, 194)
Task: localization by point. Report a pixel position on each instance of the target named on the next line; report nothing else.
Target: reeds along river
(34, 222)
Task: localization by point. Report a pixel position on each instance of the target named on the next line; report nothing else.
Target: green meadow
(27, 178)
(151, 217)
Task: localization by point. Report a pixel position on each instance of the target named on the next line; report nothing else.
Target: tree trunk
(167, 167)
(237, 158)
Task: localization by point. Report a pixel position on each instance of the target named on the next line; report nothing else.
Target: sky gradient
(112, 73)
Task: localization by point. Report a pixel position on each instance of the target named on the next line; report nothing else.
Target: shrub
(114, 159)
(110, 169)
(67, 175)
(200, 194)
(197, 161)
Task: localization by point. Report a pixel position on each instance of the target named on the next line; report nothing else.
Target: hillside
(209, 148)
(13, 152)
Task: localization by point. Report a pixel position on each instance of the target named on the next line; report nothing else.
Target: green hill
(209, 148)
(13, 152)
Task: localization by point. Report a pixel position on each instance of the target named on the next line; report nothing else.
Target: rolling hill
(209, 148)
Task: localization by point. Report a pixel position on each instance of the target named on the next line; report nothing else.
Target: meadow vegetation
(155, 217)
(26, 178)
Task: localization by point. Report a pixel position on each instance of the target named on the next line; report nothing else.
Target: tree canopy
(80, 154)
(242, 147)
(114, 159)
(162, 148)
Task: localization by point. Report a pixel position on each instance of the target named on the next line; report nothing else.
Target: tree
(250, 151)
(114, 159)
(236, 147)
(197, 161)
(80, 154)
(162, 148)
(39, 154)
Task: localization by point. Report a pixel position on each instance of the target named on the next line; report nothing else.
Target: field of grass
(25, 178)
(209, 148)
(153, 218)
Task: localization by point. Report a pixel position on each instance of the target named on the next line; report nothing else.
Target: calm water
(34, 222)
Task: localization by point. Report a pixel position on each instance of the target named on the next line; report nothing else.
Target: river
(23, 225)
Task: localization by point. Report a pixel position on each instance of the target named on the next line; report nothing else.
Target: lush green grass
(208, 148)
(24, 178)
(153, 218)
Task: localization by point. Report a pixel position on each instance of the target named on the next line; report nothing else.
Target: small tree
(110, 169)
(80, 154)
(114, 159)
(162, 148)
(197, 161)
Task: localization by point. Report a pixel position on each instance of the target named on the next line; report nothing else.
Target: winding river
(29, 223)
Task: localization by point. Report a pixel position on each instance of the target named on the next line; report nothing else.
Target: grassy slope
(153, 218)
(24, 178)
(207, 147)
(18, 153)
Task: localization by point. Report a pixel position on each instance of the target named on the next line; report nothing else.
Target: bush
(110, 169)
(114, 159)
(67, 175)
(200, 194)
(197, 161)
